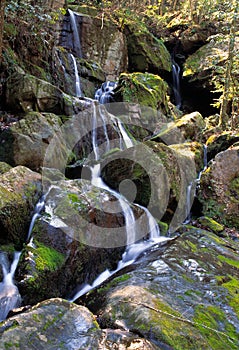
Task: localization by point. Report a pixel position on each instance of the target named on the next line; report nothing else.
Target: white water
(133, 249)
(176, 84)
(77, 43)
(9, 294)
(38, 208)
(77, 78)
(105, 93)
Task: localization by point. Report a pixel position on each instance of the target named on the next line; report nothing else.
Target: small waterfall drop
(9, 294)
(76, 37)
(77, 78)
(38, 208)
(176, 84)
(105, 93)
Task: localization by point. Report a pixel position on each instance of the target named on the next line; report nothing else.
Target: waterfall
(176, 84)
(38, 208)
(105, 93)
(133, 248)
(77, 78)
(76, 37)
(9, 294)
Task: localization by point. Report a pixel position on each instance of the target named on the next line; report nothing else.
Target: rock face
(101, 42)
(58, 324)
(148, 166)
(26, 141)
(180, 298)
(20, 189)
(219, 192)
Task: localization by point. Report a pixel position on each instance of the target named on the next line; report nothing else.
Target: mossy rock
(217, 143)
(219, 190)
(20, 190)
(146, 52)
(4, 167)
(145, 89)
(156, 297)
(210, 224)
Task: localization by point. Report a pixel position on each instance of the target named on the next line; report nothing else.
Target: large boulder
(146, 52)
(52, 324)
(80, 234)
(184, 296)
(26, 93)
(59, 324)
(145, 89)
(20, 189)
(158, 177)
(219, 142)
(25, 142)
(219, 187)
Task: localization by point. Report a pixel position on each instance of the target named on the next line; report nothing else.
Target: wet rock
(183, 296)
(52, 324)
(210, 224)
(80, 235)
(219, 193)
(26, 141)
(108, 49)
(142, 168)
(20, 190)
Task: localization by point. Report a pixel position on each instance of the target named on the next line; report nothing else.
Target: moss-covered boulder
(217, 143)
(81, 234)
(205, 66)
(20, 189)
(210, 224)
(26, 93)
(154, 175)
(189, 128)
(25, 142)
(182, 297)
(146, 52)
(52, 324)
(145, 89)
(219, 191)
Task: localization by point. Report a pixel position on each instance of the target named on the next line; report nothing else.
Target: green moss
(213, 325)
(229, 261)
(211, 224)
(47, 258)
(233, 288)
(163, 226)
(144, 88)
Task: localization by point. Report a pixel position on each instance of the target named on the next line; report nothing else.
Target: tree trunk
(223, 119)
(2, 7)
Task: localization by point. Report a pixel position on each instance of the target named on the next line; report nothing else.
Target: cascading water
(105, 93)
(9, 294)
(176, 84)
(76, 37)
(78, 92)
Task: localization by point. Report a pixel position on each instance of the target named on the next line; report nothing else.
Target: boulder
(188, 127)
(157, 177)
(145, 89)
(26, 93)
(20, 189)
(219, 191)
(182, 296)
(25, 142)
(146, 52)
(52, 324)
(4, 167)
(80, 234)
(217, 143)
